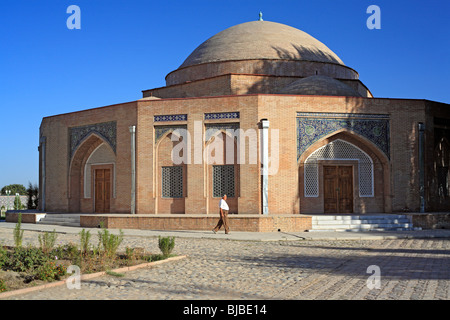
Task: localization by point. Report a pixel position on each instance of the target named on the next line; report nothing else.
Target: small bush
(18, 232)
(3, 257)
(50, 271)
(17, 203)
(2, 286)
(26, 259)
(47, 241)
(166, 245)
(85, 237)
(108, 242)
(66, 251)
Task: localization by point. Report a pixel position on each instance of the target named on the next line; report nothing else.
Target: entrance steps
(358, 223)
(61, 219)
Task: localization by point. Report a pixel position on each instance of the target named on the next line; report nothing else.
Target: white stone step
(381, 222)
(71, 220)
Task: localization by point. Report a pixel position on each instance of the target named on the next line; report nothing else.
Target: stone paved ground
(225, 269)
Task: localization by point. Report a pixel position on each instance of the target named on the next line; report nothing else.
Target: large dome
(258, 40)
(260, 48)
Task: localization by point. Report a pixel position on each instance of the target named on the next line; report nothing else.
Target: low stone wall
(251, 223)
(27, 217)
(432, 220)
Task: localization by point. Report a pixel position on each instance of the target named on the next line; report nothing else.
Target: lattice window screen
(339, 150)
(223, 181)
(172, 182)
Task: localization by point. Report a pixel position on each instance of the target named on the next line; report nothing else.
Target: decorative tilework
(161, 130)
(170, 117)
(311, 127)
(222, 115)
(106, 130)
(211, 129)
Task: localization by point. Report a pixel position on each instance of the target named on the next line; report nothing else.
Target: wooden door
(338, 189)
(330, 185)
(102, 190)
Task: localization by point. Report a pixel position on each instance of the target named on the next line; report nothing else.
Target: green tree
(33, 196)
(17, 203)
(15, 188)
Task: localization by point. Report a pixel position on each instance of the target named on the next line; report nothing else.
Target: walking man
(223, 221)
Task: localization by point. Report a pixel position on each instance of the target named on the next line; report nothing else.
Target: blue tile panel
(106, 130)
(161, 130)
(222, 115)
(170, 117)
(312, 127)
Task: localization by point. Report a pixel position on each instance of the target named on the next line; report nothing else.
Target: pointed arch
(170, 179)
(371, 172)
(222, 171)
(339, 150)
(76, 171)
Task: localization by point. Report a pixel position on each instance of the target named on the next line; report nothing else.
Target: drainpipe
(133, 169)
(265, 165)
(422, 166)
(42, 194)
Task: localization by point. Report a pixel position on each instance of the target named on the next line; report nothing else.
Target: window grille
(338, 150)
(172, 182)
(223, 181)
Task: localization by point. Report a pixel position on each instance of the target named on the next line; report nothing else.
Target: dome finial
(260, 16)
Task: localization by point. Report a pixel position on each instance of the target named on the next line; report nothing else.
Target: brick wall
(65, 194)
(250, 223)
(396, 179)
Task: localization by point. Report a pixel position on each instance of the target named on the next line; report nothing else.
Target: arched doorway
(92, 177)
(344, 173)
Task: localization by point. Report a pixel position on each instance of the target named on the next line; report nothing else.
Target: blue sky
(124, 47)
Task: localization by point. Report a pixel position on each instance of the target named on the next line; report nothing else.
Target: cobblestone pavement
(312, 269)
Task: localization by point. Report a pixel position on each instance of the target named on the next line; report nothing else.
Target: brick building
(256, 91)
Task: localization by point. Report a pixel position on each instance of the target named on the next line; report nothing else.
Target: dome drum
(282, 68)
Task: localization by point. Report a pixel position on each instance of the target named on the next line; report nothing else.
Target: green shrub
(3, 257)
(2, 286)
(26, 259)
(166, 245)
(47, 241)
(18, 232)
(17, 203)
(65, 251)
(85, 237)
(108, 242)
(50, 271)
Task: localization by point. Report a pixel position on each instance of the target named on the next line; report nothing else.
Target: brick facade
(240, 94)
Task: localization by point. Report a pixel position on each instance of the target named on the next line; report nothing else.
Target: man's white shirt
(223, 205)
